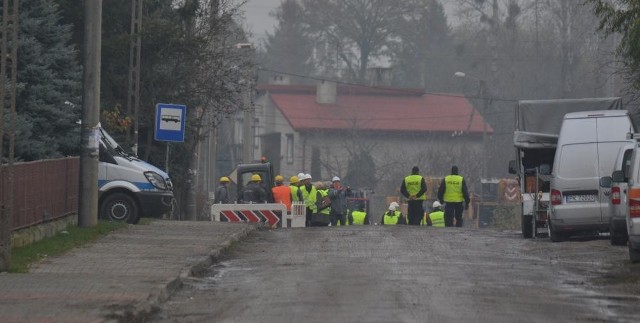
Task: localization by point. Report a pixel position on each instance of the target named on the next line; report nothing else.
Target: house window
(289, 148)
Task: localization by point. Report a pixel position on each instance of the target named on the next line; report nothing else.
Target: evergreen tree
(361, 170)
(49, 86)
(425, 57)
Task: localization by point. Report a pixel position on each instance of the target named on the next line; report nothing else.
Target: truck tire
(527, 226)
(120, 207)
(634, 255)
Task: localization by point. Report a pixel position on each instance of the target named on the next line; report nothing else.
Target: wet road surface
(411, 274)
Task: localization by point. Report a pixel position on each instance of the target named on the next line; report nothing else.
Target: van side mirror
(512, 167)
(617, 176)
(605, 181)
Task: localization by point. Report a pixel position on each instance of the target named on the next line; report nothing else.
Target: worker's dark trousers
(338, 217)
(416, 211)
(453, 210)
(308, 216)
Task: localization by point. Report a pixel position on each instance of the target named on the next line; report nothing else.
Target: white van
(130, 188)
(587, 147)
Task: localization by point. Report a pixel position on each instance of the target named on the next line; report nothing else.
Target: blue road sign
(170, 122)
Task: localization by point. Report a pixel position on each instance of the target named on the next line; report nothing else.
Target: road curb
(161, 293)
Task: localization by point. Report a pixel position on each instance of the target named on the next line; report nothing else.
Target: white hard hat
(308, 176)
(436, 204)
(335, 178)
(392, 207)
(395, 204)
(300, 176)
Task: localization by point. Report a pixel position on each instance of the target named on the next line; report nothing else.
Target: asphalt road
(411, 274)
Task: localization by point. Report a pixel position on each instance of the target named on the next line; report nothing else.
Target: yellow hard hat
(279, 178)
(255, 178)
(294, 179)
(224, 179)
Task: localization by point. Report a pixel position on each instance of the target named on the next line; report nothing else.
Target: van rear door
(611, 136)
(575, 173)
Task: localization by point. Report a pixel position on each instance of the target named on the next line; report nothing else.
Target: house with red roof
(319, 129)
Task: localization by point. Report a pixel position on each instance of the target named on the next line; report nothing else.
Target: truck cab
(130, 188)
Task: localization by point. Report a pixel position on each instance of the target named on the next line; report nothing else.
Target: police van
(130, 188)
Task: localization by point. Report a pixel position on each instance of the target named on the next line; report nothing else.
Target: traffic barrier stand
(267, 213)
(297, 217)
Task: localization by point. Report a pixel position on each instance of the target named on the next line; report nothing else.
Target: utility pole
(133, 97)
(247, 107)
(486, 101)
(6, 200)
(247, 136)
(88, 204)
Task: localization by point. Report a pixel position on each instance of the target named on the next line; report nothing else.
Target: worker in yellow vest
(414, 188)
(393, 216)
(436, 217)
(294, 184)
(309, 196)
(453, 193)
(323, 215)
(358, 216)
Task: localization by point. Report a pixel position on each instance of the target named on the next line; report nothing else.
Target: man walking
(414, 188)
(453, 192)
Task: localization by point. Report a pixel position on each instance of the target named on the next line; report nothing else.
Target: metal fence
(42, 190)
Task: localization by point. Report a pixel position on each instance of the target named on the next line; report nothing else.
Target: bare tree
(357, 31)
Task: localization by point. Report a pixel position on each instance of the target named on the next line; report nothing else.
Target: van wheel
(120, 207)
(527, 226)
(634, 255)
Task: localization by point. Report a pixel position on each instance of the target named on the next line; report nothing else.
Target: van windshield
(111, 143)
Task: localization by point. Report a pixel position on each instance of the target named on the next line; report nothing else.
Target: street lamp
(485, 98)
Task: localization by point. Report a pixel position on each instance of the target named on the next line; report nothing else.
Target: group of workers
(452, 193)
(326, 204)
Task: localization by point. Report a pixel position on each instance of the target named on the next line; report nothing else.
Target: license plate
(581, 198)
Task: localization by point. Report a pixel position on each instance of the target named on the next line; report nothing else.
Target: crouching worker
(393, 216)
(436, 217)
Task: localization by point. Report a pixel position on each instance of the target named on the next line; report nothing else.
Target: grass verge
(23, 257)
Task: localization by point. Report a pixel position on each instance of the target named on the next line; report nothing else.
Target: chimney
(326, 92)
(280, 79)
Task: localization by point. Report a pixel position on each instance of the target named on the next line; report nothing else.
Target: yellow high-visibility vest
(391, 219)
(358, 217)
(413, 183)
(453, 189)
(437, 219)
(326, 210)
(310, 198)
(294, 193)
